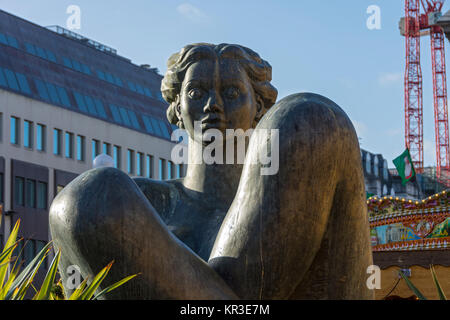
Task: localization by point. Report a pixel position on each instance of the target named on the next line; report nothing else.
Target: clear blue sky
(321, 46)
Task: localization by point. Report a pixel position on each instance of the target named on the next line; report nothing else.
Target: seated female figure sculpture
(225, 231)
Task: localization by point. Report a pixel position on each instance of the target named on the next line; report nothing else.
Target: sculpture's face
(219, 94)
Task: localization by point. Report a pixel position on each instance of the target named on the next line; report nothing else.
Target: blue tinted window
(3, 39)
(147, 92)
(148, 124)
(40, 52)
(85, 69)
(76, 65)
(30, 48)
(11, 79)
(116, 156)
(69, 145)
(139, 164)
(124, 115)
(80, 101)
(67, 62)
(161, 169)
(134, 120)
(51, 56)
(139, 89)
(109, 77)
(164, 129)
(27, 127)
(56, 141)
(53, 94)
(80, 148)
(90, 105)
(23, 83)
(40, 138)
(118, 81)
(169, 170)
(12, 41)
(155, 126)
(100, 109)
(101, 75)
(115, 113)
(63, 96)
(41, 89)
(132, 86)
(14, 130)
(2, 78)
(95, 148)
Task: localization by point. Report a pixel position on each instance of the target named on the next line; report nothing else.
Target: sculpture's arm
(102, 216)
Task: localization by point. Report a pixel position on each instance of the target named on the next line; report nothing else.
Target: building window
(139, 163)
(57, 142)
(15, 129)
(95, 148)
(106, 148)
(178, 171)
(69, 145)
(19, 186)
(162, 169)
(130, 161)
(30, 194)
(27, 134)
(80, 148)
(169, 169)
(149, 166)
(116, 157)
(40, 137)
(41, 202)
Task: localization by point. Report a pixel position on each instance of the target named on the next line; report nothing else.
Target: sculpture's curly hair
(258, 70)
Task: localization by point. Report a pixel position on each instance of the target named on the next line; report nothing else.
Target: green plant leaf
(47, 285)
(412, 287)
(90, 290)
(9, 243)
(78, 291)
(28, 273)
(436, 282)
(114, 286)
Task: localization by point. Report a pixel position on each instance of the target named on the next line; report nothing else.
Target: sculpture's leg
(303, 232)
(103, 216)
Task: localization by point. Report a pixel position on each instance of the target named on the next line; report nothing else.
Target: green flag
(405, 167)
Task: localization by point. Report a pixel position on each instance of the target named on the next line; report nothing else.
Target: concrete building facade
(64, 100)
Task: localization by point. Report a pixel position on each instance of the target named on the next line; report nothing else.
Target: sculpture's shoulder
(163, 195)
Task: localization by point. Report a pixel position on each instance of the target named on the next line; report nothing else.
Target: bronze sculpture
(226, 231)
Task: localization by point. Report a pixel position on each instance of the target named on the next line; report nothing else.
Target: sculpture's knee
(87, 212)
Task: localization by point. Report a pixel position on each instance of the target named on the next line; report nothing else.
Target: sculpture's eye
(231, 93)
(195, 93)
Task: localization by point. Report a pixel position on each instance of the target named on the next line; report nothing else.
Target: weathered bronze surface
(225, 231)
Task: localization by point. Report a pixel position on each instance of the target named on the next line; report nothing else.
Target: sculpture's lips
(212, 120)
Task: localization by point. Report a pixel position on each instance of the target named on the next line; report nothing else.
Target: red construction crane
(413, 26)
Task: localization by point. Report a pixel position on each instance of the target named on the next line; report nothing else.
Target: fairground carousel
(410, 236)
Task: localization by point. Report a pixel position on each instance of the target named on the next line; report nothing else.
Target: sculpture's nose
(214, 103)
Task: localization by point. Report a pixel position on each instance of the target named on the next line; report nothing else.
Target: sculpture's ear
(177, 106)
(260, 110)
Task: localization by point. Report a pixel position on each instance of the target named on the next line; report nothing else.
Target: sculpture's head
(223, 86)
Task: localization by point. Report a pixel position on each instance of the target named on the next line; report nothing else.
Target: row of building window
(91, 105)
(76, 65)
(72, 146)
(30, 193)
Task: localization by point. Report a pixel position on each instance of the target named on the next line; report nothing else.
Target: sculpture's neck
(215, 183)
